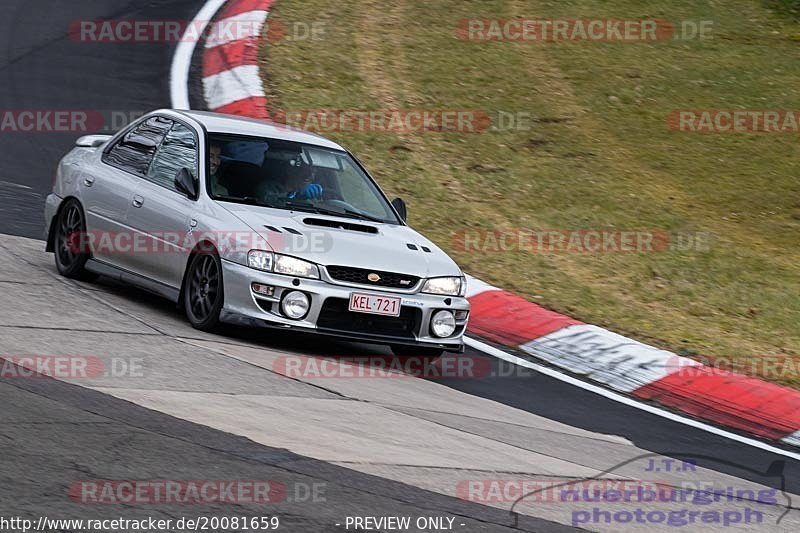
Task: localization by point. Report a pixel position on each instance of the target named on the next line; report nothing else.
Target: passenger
(214, 162)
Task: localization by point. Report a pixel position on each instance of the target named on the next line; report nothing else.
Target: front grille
(361, 276)
(335, 315)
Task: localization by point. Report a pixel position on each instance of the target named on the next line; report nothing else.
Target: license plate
(375, 305)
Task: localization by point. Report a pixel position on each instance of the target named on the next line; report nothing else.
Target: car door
(108, 186)
(161, 214)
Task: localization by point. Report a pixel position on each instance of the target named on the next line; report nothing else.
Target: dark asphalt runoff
(45, 68)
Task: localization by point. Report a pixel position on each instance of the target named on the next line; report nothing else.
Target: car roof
(219, 123)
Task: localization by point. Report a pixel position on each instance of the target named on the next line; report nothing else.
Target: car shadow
(270, 338)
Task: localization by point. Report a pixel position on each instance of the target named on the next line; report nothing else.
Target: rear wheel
(70, 243)
(203, 295)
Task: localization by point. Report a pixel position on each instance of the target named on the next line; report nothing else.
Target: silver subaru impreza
(246, 222)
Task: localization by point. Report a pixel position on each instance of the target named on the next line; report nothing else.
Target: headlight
(291, 266)
(260, 260)
(443, 323)
(447, 286)
(281, 264)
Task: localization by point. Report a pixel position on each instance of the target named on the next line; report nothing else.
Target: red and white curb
(231, 78)
(232, 84)
(636, 369)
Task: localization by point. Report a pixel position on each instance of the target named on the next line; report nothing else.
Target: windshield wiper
(300, 206)
(247, 200)
(364, 216)
(346, 213)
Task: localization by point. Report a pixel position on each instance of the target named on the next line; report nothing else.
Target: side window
(134, 152)
(179, 150)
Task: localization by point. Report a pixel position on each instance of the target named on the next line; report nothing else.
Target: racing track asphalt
(44, 69)
(57, 434)
(53, 433)
(48, 427)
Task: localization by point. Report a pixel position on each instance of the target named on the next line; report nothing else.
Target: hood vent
(351, 226)
(414, 247)
(276, 230)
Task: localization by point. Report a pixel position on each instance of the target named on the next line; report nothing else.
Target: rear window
(179, 150)
(135, 151)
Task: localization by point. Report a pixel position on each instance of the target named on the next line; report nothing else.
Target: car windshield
(290, 175)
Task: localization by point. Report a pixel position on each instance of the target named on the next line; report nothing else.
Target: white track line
(182, 60)
(500, 354)
(16, 185)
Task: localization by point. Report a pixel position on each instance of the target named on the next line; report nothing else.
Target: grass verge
(597, 154)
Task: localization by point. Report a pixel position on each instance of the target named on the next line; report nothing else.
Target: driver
(295, 183)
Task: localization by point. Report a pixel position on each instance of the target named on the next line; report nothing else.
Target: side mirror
(400, 206)
(185, 183)
(92, 141)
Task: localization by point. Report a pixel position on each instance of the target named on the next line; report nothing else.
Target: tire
(70, 245)
(203, 293)
(402, 350)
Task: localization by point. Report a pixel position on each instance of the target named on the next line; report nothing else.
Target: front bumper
(329, 315)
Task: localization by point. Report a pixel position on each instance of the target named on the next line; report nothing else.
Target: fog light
(295, 305)
(443, 323)
(263, 290)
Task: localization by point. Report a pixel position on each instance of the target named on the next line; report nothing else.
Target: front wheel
(203, 294)
(70, 244)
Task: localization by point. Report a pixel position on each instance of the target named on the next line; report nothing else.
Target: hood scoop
(338, 224)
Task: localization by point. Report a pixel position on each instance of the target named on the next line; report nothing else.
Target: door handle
(88, 181)
(138, 201)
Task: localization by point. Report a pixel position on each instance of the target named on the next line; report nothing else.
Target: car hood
(351, 242)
